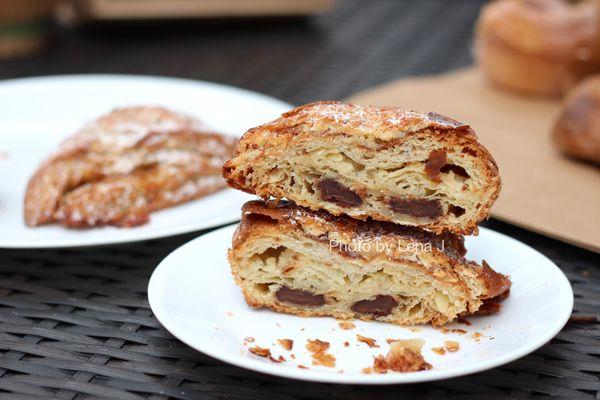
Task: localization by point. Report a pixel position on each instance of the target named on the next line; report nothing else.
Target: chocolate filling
(458, 170)
(456, 210)
(422, 208)
(435, 162)
(333, 191)
(380, 306)
(299, 297)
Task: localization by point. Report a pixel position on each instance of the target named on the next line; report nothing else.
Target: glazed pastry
(577, 130)
(123, 166)
(538, 47)
(297, 261)
(384, 163)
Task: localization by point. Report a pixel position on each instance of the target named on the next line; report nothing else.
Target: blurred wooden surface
(163, 9)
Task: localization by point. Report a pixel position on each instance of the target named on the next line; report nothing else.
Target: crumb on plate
(404, 356)
(369, 341)
(318, 348)
(287, 344)
(477, 336)
(346, 325)
(452, 346)
(260, 351)
(278, 359)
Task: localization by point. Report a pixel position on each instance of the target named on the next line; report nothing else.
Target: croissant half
(294, 260)
(384, 163)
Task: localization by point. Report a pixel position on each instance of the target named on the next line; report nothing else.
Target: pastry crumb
(455, 330)
(346, 344)
(367, 370)
(380, 365)
(404, 356)
(248, 339)
(316, 345)
(260, 351)
(452, 346)
(439, 350)
(266, 353)
(287, 344)
(277, 360)
(369, 341)
(346, 325)
(318, 348)
(477, 336)
(302, 366)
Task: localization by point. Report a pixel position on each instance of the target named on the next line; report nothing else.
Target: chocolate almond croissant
(294, 260)
(384, 163)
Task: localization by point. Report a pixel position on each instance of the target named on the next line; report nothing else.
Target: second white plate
(37, 113)
(193, 295)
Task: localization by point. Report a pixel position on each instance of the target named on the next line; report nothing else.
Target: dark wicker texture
(75, 324)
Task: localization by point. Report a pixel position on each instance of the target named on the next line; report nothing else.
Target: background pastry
(124, 165)
(298, 261)
(539, 47)
(577, 130)
(385, 163)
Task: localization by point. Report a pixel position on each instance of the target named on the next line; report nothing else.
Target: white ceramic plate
(193, 295)
(37, 113)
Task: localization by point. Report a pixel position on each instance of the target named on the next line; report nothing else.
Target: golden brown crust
(539, 47)
(577, 130)
(124, 165)
(372, 129)
(496, 284)
(279, 220)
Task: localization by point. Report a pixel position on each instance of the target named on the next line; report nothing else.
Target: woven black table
(75, 324)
